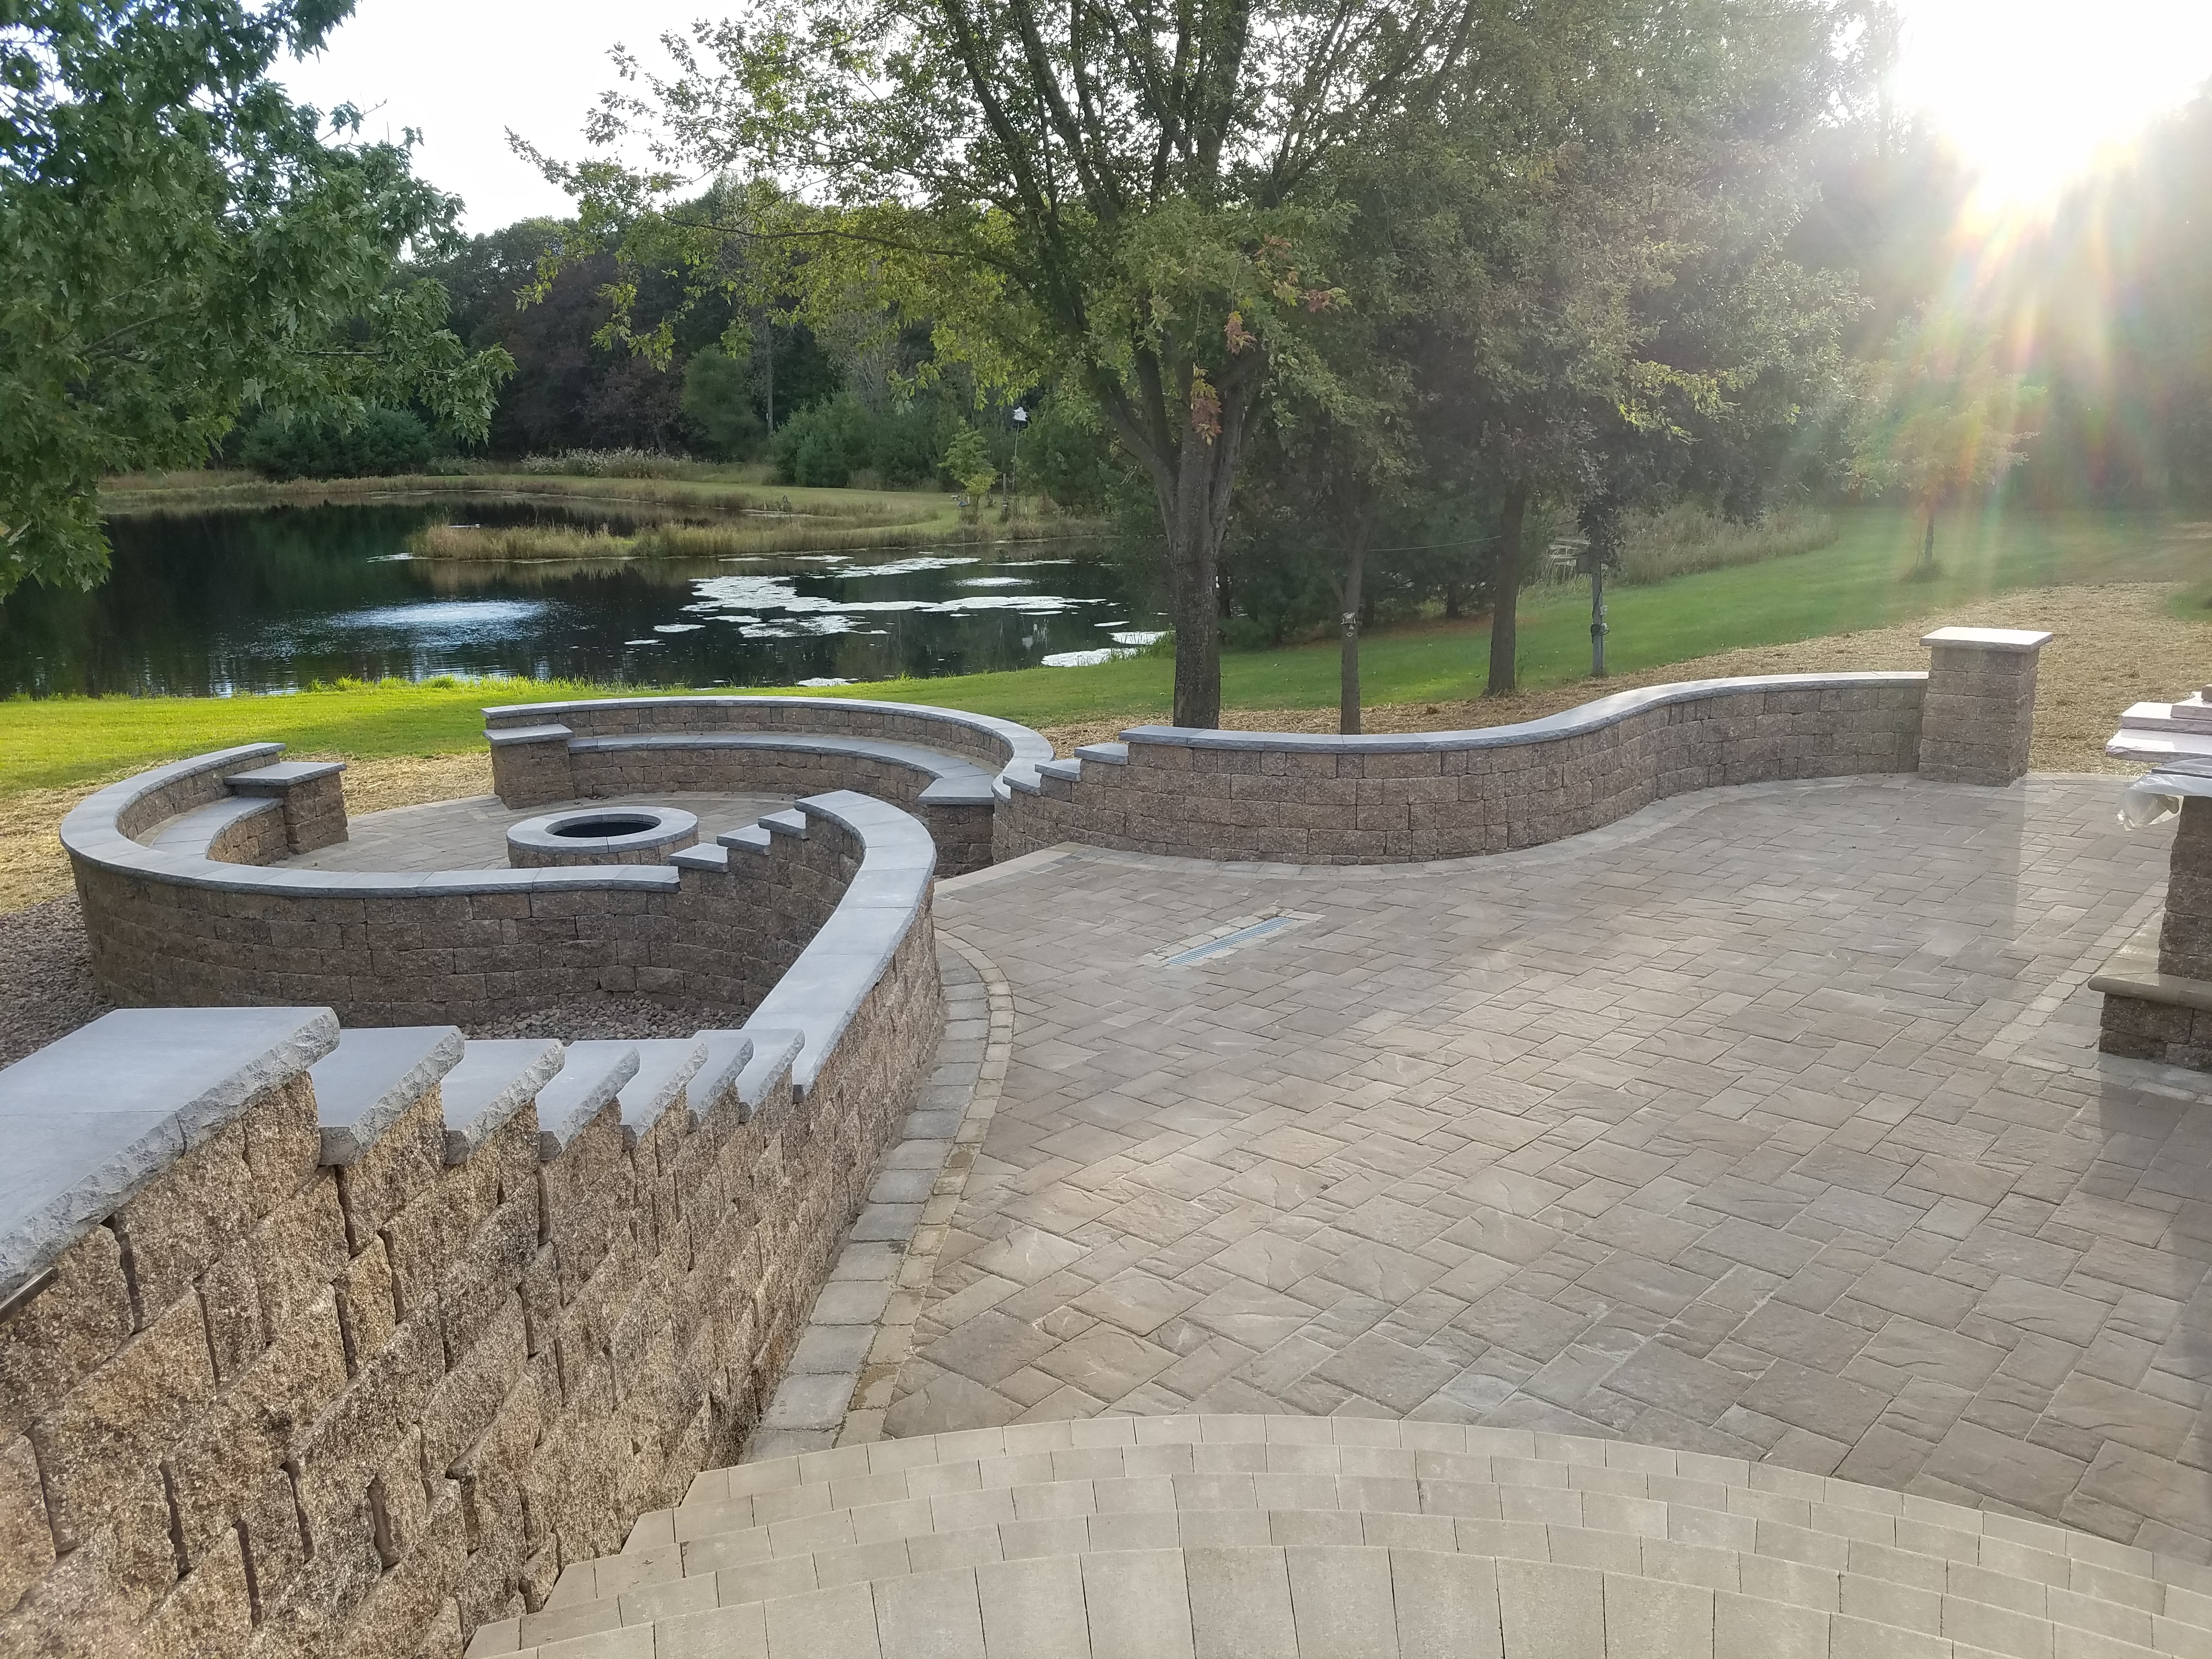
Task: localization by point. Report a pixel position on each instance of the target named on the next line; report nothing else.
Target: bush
(1689, 537)
(380, 442)
(610, 464)
(824, 445)
(718, 396)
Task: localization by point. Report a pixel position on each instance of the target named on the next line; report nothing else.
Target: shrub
(379, 442)
(825, 444)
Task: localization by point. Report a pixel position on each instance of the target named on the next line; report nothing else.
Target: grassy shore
(731, 489)
(1860, 582)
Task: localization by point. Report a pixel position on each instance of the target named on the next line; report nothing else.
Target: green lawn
(1855, 584)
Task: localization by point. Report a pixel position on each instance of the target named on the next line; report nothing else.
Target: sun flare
(2032, 92)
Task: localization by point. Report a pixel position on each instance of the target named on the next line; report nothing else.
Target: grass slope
(1857, 583)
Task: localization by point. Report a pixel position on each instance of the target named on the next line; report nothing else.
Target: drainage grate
(1232, 936)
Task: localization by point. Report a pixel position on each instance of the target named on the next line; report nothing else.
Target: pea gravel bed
(46, 987)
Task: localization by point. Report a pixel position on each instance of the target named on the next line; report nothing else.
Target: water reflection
(209, 603)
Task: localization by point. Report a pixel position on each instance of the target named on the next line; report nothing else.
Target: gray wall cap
(716, 858)
(1110, 754)
(284, 775)
(822, 991)
(86, 1121)
(98, 811)
(1571, 722)
(375, 1073)
(592, 1075)
(774, 1055)
(750, 839)
(190, 834)
(1070, 769)
(727, 1054)
(955, 777)
(492, 1082)
(665, 1066)
(1989, 639)
(515, 734)
(1021, 743)
(785, 824)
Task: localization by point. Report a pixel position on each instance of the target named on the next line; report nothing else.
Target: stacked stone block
(2185, 937)
(1979, 716)
(1320, 800)
(312, 794)
(273, 1406)
(396, 951)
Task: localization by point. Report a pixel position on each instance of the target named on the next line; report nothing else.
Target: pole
(1597, 619)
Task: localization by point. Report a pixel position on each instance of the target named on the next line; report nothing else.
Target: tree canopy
(177, 239)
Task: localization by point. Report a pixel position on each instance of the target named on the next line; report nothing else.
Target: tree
(1943, 426)
(1608, 217)
(718, 396)
(178, 238)
(967, 463)
(1130, 200)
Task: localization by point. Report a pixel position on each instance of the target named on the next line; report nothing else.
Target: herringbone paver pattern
(1768, 1122)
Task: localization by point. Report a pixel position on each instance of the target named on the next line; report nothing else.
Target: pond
(273, 599)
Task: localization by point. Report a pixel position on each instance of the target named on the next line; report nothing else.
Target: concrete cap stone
(284, 775)
(716, 858)
(492, 1082)
(727, 1054)
(514, 734)
(1989, 639)
(665, 1067)
(89, 1121)
(785, 824)
(1592, 716)
(592, 1074)
(750, 839)
(375, 1073)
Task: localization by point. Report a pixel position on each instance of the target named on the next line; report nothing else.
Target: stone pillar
(2184, 939)
(1979, 714)
(313, 796)
(530, 764)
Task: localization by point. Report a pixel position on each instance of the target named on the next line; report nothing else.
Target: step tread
(1449, 1515)
(1270, 1599)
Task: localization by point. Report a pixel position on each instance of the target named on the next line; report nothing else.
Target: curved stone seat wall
(181, 926)
(352, 1360)
(556, 751)
(1291, 798)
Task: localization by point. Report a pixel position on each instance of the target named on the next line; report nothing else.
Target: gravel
(46, 987)
(624, 1019)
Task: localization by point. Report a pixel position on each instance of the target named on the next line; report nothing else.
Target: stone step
(1922, 1565)
(1302, 1602)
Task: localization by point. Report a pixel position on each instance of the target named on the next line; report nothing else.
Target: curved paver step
(1676, 1542)
(1843, 1509)
(1296, 1602)
(1936, 1577)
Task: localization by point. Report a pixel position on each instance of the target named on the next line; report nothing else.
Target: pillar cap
(1989, 639)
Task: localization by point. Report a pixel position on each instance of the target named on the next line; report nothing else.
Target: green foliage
(968, 462)
(370, 443)
(827, 445)
(178, 238)
(718, 396)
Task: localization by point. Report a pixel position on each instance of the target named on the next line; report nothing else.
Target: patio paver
(1766, 1122)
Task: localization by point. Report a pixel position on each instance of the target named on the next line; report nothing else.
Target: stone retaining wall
(273, 1386)
(1289, 798)
(961, 829)
(167, 928)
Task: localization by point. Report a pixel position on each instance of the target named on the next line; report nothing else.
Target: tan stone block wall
(273, 1409)
(1306, 806)
(2184, 936)
(1980, 714)
(413, 958)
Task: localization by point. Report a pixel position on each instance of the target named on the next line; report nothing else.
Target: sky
(2028, 89)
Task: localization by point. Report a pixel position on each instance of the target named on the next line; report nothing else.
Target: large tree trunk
(1505, 596)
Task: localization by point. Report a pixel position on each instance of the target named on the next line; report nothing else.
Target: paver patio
(1767, 1121)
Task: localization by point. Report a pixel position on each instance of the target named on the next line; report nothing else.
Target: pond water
(208, 604)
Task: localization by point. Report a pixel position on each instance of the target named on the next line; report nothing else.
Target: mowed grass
(1859, 582)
